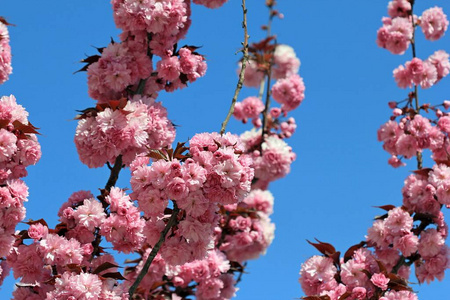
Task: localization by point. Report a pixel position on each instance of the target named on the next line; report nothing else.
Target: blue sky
(341, 171)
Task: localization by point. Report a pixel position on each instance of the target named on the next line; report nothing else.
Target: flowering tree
(413, 234)
(218, 215)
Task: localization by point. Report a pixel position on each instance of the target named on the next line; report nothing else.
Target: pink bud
(392, 104)
(275, 112)
(397, 112)
(439, 113)
(257, 122)
(446, 104)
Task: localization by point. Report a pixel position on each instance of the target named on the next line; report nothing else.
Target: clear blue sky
(341, 170)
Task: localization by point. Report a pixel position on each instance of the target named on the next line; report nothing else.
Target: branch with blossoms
(196, 212)
(414, 233)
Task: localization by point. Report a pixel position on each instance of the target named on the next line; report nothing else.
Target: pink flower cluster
(5, 53)
(272, 159)
(62, 263)
(249, 108)
(424, 73)
(396, 34)
(84, 217)
(247, 231)
(210, 3)
(289, 92)
(357, 277)
(175, 72)
(425, 195)
(141, 125)
(394, 232)
(19, 148)
(397, 31)
(123, 226)
(120, 66)
(410, 135)
(216, 174)
(285, 64)
(168, 17)
(434, 23)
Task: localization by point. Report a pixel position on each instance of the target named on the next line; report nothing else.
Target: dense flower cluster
(397, 31)
(5, 53)
(219, 216)
(404, 139)
(120, 66)
(415, 233)
(140, 125)
(434, 23)
(247, 231)
(63, 262)
(19, 148)
(424, 73)
(214, 175)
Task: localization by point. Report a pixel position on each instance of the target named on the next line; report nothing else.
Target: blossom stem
(241, 74)
(172, 222)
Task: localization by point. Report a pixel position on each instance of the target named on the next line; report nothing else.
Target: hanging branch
(241, 74)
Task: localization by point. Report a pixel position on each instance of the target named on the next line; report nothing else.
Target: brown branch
(114, 175)
(172, 222)
(241, 74)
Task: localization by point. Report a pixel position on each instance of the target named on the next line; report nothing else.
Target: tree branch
(241, 74)
(172, 222)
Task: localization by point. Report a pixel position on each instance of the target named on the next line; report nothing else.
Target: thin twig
(416, 95)
(267, 106)
(172, 221)
(241, 74)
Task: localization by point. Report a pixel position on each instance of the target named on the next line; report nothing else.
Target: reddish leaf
(324, 248)
(325, 297)
(104, 266)
(40, 221)
(345, 296)
(115, 275)
(423, 172)
(88, 61)
(86, 113)
(349, 253)
(397, 283)
(3, 20)
(156, 285)
(386, 207)
(382, 267)
(74, 268)
(156, 155)
(29, 128)
(4, 123)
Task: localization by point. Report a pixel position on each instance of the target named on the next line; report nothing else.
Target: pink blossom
(289, 92)
(285, 62)
(440, 60)
(90, 214)
(5, 54)
(380, 281)
(399, 8)
(37, 231)
(316, 271)
(210, 3)
(434, 23)
(430, 243)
